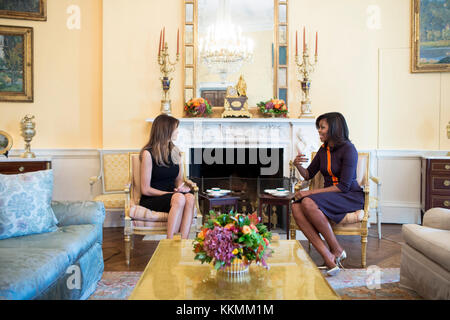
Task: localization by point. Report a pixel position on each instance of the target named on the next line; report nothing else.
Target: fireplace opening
(247, 172)
(237, 162)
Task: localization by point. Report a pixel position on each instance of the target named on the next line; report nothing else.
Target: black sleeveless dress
(163, 178)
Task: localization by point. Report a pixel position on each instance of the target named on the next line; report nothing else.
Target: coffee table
(173, 274)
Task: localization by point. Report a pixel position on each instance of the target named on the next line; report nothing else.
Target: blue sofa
(64, 264)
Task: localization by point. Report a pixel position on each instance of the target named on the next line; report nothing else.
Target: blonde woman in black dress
(162, 185)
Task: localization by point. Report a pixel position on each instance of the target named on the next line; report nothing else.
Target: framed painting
(430, 36)
(16, 64)
(24, 9)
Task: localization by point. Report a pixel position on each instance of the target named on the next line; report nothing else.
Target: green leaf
(218, 264)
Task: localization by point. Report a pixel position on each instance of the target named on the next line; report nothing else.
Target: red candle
(178, 41)
(296, 44)
(160, 38)
(304, 41)
(316, 42)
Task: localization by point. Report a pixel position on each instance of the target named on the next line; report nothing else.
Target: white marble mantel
(288, 134)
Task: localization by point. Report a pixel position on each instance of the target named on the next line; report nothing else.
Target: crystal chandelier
(223, 50)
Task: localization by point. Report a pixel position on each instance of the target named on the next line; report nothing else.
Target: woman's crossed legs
(180, 214)
(311, 220)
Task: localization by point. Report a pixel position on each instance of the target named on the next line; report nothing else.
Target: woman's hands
(302, 194)
(299, 159)
(182, 188)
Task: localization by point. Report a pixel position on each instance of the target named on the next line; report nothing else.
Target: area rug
(350, 284)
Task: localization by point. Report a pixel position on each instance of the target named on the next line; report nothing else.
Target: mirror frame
(279, 69)
(10, 143)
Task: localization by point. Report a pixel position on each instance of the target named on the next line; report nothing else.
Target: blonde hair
(160, 141)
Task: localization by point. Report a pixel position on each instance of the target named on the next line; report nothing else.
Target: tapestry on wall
(430, 36)
(16, 64)
(24, 9)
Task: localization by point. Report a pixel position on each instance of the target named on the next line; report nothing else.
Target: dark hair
(337, 127)
(160, 139)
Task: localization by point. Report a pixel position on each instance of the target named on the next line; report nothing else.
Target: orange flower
(246, 230)
(284, 108)
(229, 226)
(260, 248)
(198, 248)
(203, 233)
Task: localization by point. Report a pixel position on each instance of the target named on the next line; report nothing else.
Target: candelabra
(305, 68)
(166, 68)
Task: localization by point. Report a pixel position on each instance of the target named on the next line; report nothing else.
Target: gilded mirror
(6, 143)
(261, 28)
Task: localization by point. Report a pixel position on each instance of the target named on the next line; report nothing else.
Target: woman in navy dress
(337, 161)
(162, 186)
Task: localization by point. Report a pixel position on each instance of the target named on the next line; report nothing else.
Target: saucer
(281, 194)
(216, 194)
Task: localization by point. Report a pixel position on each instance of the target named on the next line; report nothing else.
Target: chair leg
(293, 233)
(309, 246)
(128, 241)
(379, 223)
(363, 251)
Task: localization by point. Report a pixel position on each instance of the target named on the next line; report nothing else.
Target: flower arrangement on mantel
(273, 107)
(226, 239)
(197, 107)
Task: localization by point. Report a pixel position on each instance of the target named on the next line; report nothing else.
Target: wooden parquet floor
(384, 253)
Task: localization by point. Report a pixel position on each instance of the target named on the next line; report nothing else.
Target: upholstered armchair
(113, 176)
(425, 257)
(142, 221)
(354, 223)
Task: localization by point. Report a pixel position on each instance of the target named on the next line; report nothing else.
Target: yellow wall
(362, 72)
(132, 89)
(67, 80)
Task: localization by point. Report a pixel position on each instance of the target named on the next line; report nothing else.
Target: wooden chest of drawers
(19, 165)
(435, 183)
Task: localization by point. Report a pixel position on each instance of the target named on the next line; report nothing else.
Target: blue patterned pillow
(25, 204)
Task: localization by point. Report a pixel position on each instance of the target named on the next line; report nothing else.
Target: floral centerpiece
(228, 239)
(273, 107)
(198, 107)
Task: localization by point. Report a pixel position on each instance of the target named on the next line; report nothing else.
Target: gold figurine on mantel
(166, 68)
(236, 105)
(27, 126)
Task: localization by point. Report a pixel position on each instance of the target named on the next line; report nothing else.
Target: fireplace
(247, 172)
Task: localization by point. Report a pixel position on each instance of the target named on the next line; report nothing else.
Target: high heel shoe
(341, 258)
(333, 271)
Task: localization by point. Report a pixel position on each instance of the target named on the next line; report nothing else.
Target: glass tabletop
(173, 274)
